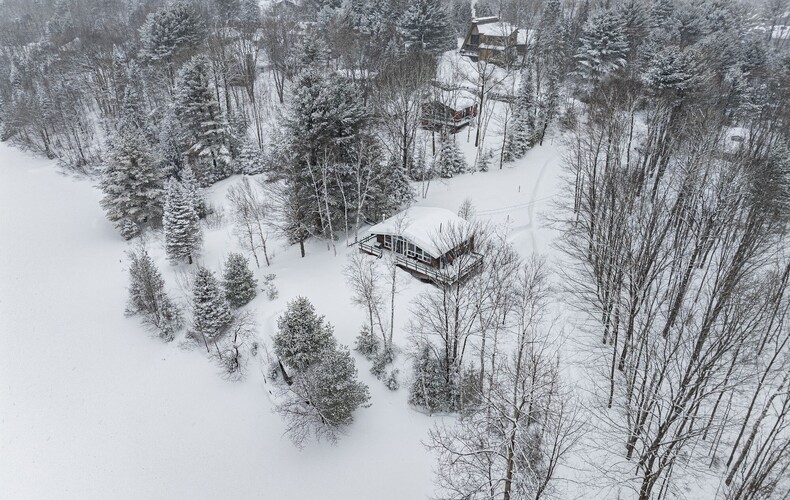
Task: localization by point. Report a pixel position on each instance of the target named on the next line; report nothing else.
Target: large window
(388, 241)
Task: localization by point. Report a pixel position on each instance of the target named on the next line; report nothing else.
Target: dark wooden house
(432, 243)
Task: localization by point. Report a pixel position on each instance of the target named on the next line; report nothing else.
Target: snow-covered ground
(92, 406)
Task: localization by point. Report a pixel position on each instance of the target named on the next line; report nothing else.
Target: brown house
(449, 115)
(490, 39)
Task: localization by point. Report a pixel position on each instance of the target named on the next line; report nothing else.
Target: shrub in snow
(235, 348)
(367, 343)
(484, 161)
(210, 309)
(147, 296)
(322, 399)
(380, 362)
(238, 280)
(271, 289)
(392, 380)
(302, 336)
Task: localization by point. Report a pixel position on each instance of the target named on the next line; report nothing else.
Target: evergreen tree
(170, 33)
(303, 338)
(181, 224)
(520, 135)
(210, 309)
(169, 147)
(451, 160)
(322, 399)
(206, 140)
(239, 282)
(147, 296)
(429, 389)
(484, 162)
(132, 189)
(392, 191)
(604, 47)
(426, 26)
(670, 73)
(193, 191)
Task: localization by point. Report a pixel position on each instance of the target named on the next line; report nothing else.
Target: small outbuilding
(433, 243)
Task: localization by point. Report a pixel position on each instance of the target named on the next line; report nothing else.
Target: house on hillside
(434, 244)
(490, 39)
(448, 112)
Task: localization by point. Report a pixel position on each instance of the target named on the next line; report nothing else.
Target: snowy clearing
(93, 406)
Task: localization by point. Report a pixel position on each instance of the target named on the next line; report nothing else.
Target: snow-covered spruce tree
(193, 191)
(147, 296)
(207, 142)
(180, 224)
(429, 390)
(170, 35)
(323, 129)
(170, 138)
(239, 282)
(425, 25)
(321, 400)
(484, 161)
(603, 49)
(389, 191)
(132, 188)
(451, 159)
(521, 134)
(302, 337)
(211, 313)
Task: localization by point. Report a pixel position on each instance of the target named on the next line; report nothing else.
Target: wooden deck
(436, 276)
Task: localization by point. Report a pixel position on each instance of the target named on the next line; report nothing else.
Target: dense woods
(674, 272)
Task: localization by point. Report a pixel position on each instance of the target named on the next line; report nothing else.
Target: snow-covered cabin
(449, 111)
(433, 243)
(490, 39)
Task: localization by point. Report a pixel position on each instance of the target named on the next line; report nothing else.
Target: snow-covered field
(92, 406)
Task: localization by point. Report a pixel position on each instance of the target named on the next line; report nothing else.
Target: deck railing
(472, 262)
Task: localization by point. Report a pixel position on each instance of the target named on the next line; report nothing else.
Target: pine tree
(604, 47)
(193, 191)
(170, 138)
(181, 224)
(451, 160)
(322, 400)
(520, 135)
(239, 282)
(147, 296)
(206, 130)
(210, 309)
(484, 162)
(670, 73)
(169, 33)
(426, 26)
(132, 189)
(303, 338)
(429, 389)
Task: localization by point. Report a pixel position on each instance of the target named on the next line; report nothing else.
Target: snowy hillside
(93, 406)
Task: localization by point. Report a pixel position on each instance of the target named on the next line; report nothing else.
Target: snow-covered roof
(496, 29)
(487, 19)
(424, 227)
